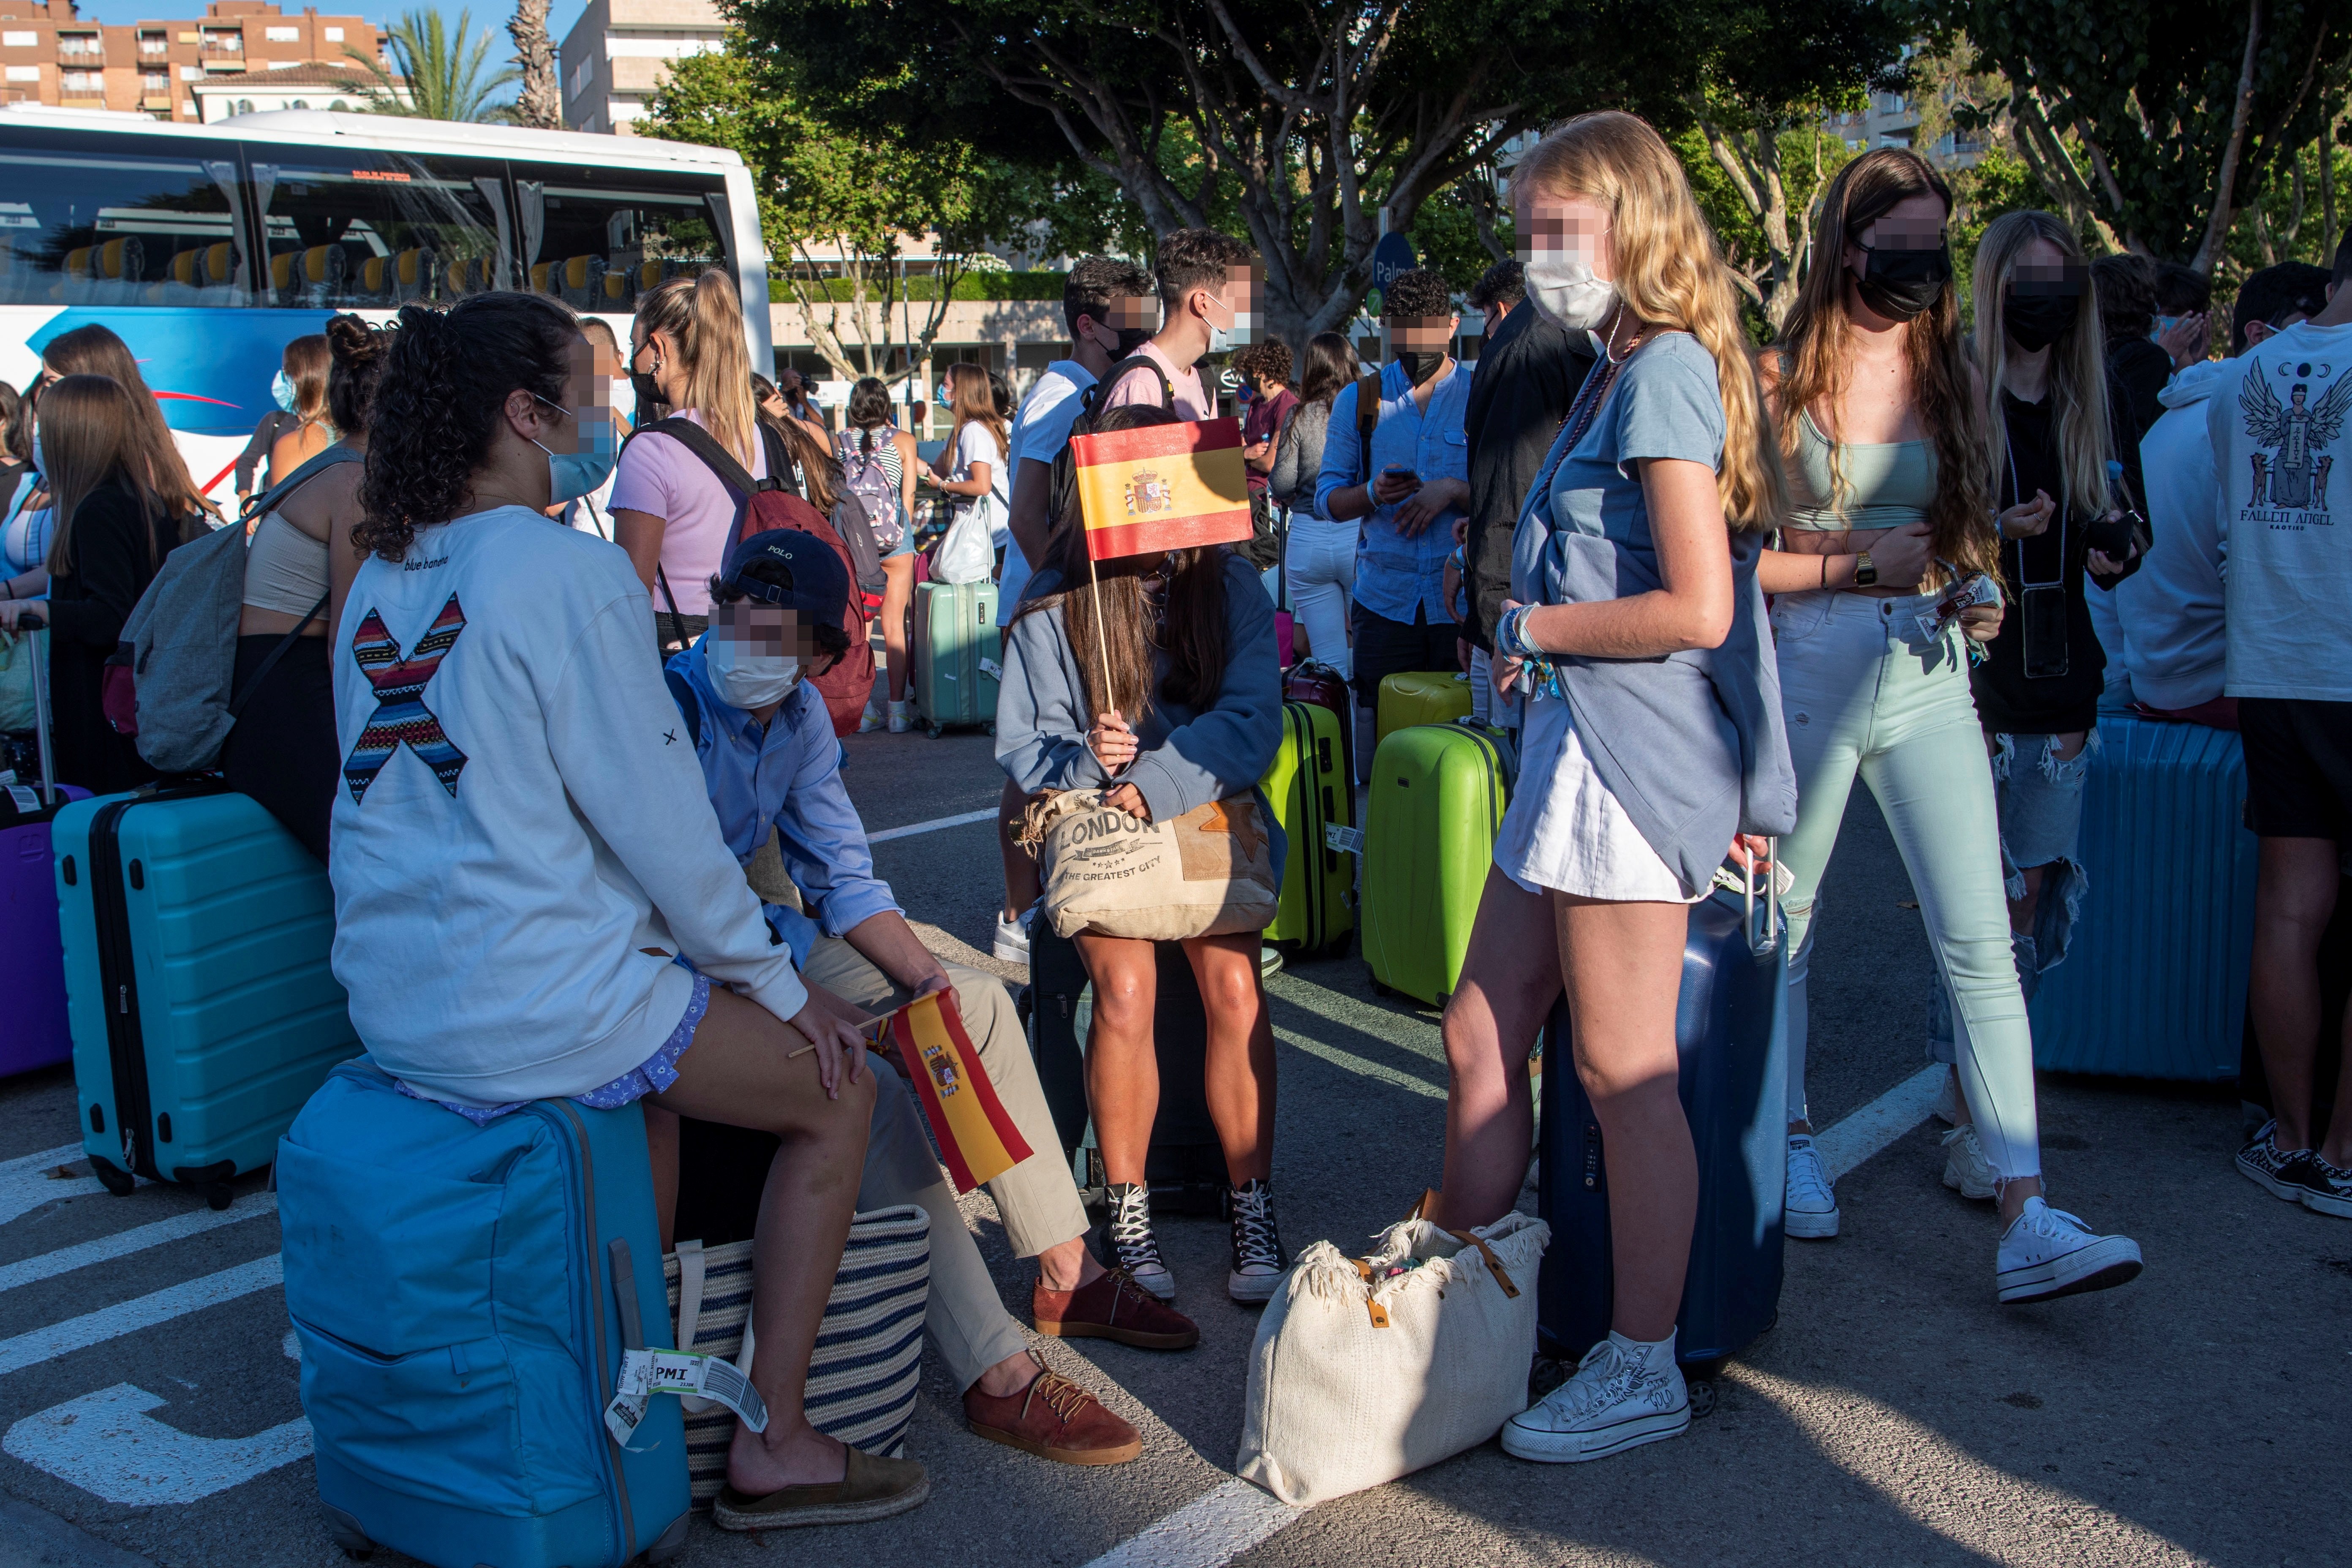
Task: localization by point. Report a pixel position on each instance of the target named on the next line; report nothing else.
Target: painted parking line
(1353, 1063)
(195, 1222)
(129, 1317)
(1211, 1530)
(912, 829)
(1857, 1137)
(25, 1182)
(107, 1445)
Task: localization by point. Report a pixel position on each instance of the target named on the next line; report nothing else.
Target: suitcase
(1324, 686)
(32, 960)
(1185, 1167)
(462, 1296)
(1421, 696)
(1731, 1032)
(1437, 798)
(1312, 795)
(956, 656)
(2155, 983)
(203, 1009)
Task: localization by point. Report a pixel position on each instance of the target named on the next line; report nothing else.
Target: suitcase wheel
(989, 728)
(112, 1177)
(217, 1196)
(669, 1544)
(345, 1532)
(1381, 990)
(938, 730)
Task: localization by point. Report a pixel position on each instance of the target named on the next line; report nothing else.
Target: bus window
(596, 238)
(379, 229)
(118, 220)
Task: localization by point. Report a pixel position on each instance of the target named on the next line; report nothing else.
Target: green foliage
(442, 75)
(1446, 232)
(1998, 183)
(976, 284)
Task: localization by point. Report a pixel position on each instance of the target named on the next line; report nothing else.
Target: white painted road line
(141, 1312)
(1882, 1121)
(1211, 1530)
(106, 1444)
(933, 825)
(48, 1159)
(195, 1222)
(25, 1182)
(1356, 1064)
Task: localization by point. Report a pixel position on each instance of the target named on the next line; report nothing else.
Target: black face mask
(1900, 284)
(2037, 320)
(1131, 339)
(641, 382)
(1420, 365)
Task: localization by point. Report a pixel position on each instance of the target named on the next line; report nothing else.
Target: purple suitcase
(32, 957)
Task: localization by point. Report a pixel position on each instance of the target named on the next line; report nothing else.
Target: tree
(429, 70)
(1307, 118)
(834, 201)
(2153, 123)
(539, 104)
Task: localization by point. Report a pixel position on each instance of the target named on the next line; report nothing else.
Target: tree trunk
(541, 102)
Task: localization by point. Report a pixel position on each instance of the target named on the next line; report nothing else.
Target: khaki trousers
(1036, 1199)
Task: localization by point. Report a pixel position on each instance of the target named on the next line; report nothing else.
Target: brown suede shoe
(1113, 1308)
(869, 1488)
(1053, 1418)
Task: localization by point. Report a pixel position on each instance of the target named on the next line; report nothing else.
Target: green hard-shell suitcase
(957, 654)
(1437, 798)
(1421, 696)
(1312, 798)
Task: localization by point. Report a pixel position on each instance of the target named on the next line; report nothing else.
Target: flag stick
(1102, 638)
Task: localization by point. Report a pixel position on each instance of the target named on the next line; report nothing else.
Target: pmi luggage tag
(645, 1374)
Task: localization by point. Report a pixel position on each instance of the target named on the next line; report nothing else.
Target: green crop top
(1885, 484)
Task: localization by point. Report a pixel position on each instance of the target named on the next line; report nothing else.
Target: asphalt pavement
(1895, 1414)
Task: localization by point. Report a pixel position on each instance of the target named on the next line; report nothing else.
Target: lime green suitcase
(1314, 801)
(1437, 798)
(1421, 696)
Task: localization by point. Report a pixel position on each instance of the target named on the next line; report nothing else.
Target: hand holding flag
(976, 1136)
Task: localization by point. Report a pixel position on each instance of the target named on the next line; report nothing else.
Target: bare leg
(1122, 1067)
(1022, 886)
(1511, 979)
(737, 1073)
(661, 1143)
(1622, 963)
(2294, 895)
(898, 599)
(1241, 1052)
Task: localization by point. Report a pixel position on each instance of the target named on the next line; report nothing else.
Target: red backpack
(763, 504)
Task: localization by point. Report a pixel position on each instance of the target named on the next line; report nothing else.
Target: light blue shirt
(1395, 576)
(1040, 431)
(787, 775)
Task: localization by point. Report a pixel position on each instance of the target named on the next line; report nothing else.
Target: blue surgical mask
(570, 475)
(2163, 325)
(942, 396)
(282, 388)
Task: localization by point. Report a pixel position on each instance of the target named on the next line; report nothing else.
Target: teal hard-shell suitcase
(1437, 798)
(957, 654)
(1308, 789)
(199, 993)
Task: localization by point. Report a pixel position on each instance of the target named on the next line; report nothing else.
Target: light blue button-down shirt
(787, 775)
(1395, 576)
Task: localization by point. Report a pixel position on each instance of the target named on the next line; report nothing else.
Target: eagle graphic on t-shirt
(2294, 473)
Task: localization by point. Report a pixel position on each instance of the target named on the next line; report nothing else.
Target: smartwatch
(1866, 575)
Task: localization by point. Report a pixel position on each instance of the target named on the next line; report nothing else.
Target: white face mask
(745, 679)
(1561, 287)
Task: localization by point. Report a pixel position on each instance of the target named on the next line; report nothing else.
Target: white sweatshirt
(2282, 431)
(522, 837)
(2175, 635)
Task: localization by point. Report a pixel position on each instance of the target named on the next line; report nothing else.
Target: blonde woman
(670, 512)
(1653, 738)
(971, 466)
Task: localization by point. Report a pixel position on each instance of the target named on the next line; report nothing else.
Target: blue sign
(1391, 255)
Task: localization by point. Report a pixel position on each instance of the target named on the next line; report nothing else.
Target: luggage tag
(645, 1374)
(1343, 840)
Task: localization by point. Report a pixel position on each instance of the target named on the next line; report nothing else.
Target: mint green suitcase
(957, 654)
(1437, 798)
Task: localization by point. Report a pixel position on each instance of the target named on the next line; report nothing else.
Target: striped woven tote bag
(870, 1351)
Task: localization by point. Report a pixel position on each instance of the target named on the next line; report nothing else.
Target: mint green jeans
(1868, 694)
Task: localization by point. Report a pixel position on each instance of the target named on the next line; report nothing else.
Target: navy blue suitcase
(1731, 1030)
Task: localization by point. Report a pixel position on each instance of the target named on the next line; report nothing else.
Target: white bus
(208, 247)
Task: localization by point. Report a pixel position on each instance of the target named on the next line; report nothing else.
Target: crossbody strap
(237, 703)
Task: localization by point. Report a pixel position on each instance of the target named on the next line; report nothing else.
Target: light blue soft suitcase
(463, 1295)
(198, 991)
(2154, 984)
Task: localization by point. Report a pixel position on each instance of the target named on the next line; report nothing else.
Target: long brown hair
(704, 317)
(1330, 365)
(1815, 355)
(89, 440)
(972, 400)
(96, 350)
(1192, 631)
(2078, 362)
(305, 362)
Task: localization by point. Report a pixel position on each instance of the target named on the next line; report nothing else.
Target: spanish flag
(976, 1137)
(1163, 487)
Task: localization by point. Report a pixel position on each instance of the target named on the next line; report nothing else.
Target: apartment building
(298, 86)
(617, 55)
(49, 54)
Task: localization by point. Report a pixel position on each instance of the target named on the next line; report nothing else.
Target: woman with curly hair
(518, 851)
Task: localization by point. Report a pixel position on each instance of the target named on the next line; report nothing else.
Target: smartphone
(1398, 471)
(2112, 536)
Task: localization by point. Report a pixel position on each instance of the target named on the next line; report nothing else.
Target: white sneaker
(871, 722)
(1947, 1101)
(2048, 1252)
(1966, 1170)
(901, 720)
(1013, 937)
(1808, 1211)
(1624, 1393)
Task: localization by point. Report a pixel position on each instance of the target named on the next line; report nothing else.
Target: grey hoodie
(2175, 632)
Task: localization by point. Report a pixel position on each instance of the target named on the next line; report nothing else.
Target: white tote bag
(968, 551)
(1367, 1369)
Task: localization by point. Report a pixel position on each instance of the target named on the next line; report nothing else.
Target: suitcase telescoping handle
(1762, 940)
(41, 710)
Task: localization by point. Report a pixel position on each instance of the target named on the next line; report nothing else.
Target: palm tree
(432, 72)
(538, 104)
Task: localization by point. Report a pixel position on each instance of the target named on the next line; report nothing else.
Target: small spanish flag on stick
(1163, 487)
(976, 1137)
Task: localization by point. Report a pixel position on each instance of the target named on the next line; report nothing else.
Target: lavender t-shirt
(660, 477)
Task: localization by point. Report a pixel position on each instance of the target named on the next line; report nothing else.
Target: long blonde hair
(89, 440)
(1814, 356)
(1670, 274)
(973, 401)
(704, 317)
(2078, 364)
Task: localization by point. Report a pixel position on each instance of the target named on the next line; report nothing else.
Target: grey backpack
(179, 641)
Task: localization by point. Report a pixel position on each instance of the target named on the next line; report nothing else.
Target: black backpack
(1064, 491)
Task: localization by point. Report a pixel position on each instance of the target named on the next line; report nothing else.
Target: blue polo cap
(790, 567)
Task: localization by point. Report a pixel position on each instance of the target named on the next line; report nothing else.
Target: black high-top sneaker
(1133, 1246)
(1259, 1261)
